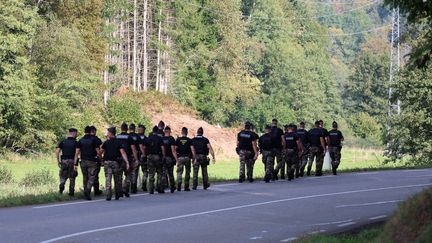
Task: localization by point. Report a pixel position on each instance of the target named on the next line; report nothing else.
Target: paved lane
(257, 212)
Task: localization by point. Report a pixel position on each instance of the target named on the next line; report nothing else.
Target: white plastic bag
(327, 161)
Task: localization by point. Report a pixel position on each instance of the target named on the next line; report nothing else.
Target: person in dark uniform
(155, 152)
(248, 152)
(134, 170)
(325, 131)
(170, 158)
(292, 148)
(87, 150)
(303, 159)
(185, 152)
(142, 158)
(65, 154)
(96, 184)
(161, 127)
(335, 146)
(265, 146)
(202, 148)
(131, 152)
(277, 134)
(317, 149)
(113, 155)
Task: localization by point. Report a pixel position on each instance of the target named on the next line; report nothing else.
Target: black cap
(132, 126)
(274, 120)
(73, 130)
(161, 123)
(200, 131)
(248, 125)
(155, 129)
(93, 128)
(317, 123)
(184, 130)
(302, 123)
(87, 129)
(141, 126)
(112, 130)
(124, 126)
(334, 124)
(321, 121)
(167, 128)
(267, 127)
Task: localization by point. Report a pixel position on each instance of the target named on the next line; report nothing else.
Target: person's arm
(255, 148)
(323, 143)
(174, 152)
(299, 147)
(125, 158)
(57, 153)
(194, 160)
(283, 141)
(163, 151)
(77, 154)
(210, 148)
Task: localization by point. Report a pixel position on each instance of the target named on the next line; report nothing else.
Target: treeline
(63, 62)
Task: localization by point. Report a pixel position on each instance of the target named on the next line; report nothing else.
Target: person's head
(111, 132)
(87, 130)
(200, 131)
(124, 127)
(317, 123)
(267, 129)
(294, 127)
(290, 128)
(184, 131)
(286, 128)
(248, 126)
(93, 130)
(132, 127)
(167, 131)
(73, 133)
(274, 122)
(321, 123)
(141, 129)
(334, 125)
(155, 129)
(302, 125)
(161, 125)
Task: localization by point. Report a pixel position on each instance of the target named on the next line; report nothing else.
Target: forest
(63, 63)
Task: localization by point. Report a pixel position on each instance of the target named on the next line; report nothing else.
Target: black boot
(61, 188)
(144, 187)
(117, 196)
(108, 196)
(206, 186)
(308, 173)
(134, 189)
(87, 196)
(71, 193)
(172, 189)
(179, 187)
(241, 179)
(334, 170)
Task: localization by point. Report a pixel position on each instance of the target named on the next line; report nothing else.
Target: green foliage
(125, 108)
(411, 133)
(5, 175)
(38, 178)
(366, 126)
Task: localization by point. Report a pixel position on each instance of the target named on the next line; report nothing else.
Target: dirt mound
(160, 107)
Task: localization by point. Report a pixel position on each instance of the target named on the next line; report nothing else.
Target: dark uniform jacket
(68, 147)
(184, 147)
(200, 144)
(335, 138)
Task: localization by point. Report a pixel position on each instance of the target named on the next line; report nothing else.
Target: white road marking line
(229, 209)
(421, 176)
(81, 202)
(367, 204)
(256, 238)
(346, 224)
(378, 217)
(289, 239)
(417, 170)
(330, 223)
(366, 173)
(317, 232)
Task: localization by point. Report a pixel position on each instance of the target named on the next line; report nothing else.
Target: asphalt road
(248, 212)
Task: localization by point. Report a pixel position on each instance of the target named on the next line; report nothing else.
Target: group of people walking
(123, 154)
(293, 149)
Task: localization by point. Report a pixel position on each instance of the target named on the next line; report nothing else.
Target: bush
(38, 178)
(5, 175)
(367, 127)
(125, 108)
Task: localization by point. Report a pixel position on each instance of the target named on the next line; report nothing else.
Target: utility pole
(395, 59)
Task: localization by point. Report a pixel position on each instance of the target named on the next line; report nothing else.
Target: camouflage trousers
(128, 174)
(113, 169)
(144, 169)
(303, 161)
(88, 169)
(246, 162)
(316, 153)
(203, 162)
(67, 172)
(96, 183)
(155, 167)
(291, 160)
(168, 171)
(184, 162)
(268, 160)
(280, 163)
(335, 155)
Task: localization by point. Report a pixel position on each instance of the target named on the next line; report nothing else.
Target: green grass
(14, 193)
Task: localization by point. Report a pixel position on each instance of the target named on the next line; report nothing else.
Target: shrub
(38, 178)
(367, 127)
(5, 175)
(125, 108)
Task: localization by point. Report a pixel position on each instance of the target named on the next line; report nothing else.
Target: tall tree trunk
(144, 47)
(158, 62)
(134, 48)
